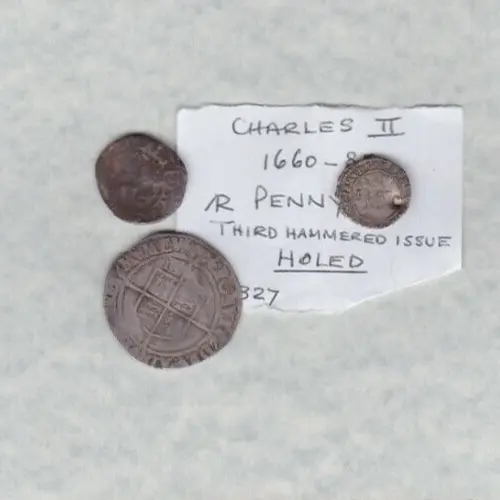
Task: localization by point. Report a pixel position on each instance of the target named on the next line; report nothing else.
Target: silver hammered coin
(172, 300)
(373, 191)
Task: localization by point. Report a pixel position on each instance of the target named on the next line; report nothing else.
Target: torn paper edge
(448, 106)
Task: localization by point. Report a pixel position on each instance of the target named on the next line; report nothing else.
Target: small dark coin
(373, 191)
(140, 178)
(172, 300)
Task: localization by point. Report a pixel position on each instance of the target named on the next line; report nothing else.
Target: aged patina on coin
(140, 178)
(172, 300)
(373, 191)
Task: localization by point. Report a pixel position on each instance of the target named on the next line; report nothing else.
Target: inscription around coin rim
(361, 167)
(152, 247)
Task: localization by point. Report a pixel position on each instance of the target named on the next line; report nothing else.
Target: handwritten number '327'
(259, 293)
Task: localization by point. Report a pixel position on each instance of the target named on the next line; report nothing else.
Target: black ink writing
(231, 228)
(219, 202)
(297, 160)
(336, 202)
(294, 233)
(266, 295)
(263, 197)
(351, 158)
(290, 261)
(423, 241)
(241, 126)
(386, 127)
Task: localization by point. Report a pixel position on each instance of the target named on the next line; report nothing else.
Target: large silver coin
(373, 191)
(172, 300)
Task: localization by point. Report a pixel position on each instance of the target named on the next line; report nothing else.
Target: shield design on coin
(170, 310)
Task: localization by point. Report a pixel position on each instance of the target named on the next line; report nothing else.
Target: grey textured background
(396, 399)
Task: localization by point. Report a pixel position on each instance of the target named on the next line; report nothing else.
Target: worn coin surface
(373, 191)
(172, 300)
(140, 178)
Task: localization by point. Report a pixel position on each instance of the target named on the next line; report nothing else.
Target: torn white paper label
(261, 189)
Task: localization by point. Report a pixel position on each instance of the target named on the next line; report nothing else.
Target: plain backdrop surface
(398, 398)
